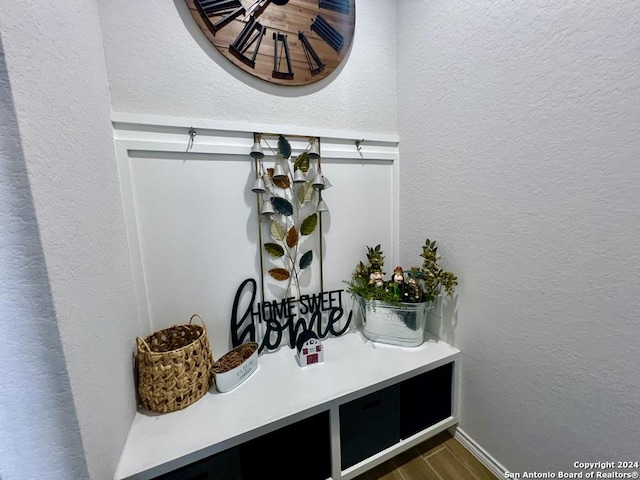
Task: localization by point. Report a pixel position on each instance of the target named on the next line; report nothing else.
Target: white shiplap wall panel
(192, 218)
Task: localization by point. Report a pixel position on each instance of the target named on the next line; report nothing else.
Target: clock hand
(256, 9)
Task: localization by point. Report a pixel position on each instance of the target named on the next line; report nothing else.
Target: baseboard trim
(477, 451)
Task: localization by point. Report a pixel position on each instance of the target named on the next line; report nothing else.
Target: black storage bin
(300, 450)
(222, 466)
(369, 425)
(425, 400)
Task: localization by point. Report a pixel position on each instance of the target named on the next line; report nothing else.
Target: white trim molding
(138, 121)
(168, 134)
(480, 453)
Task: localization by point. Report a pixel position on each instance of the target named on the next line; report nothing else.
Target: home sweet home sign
(322, 312)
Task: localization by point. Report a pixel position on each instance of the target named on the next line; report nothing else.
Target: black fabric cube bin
(298, 451)
(222, 466)
(425, 400)
(369, 425)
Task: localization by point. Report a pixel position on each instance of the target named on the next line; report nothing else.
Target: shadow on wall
(443, 319)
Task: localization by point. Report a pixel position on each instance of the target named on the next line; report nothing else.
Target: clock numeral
(327, 33)
(251, 34)
(280, 46)
(315, 64)
(341, 6)
(256, 9)
(230, 9)
(217, 6)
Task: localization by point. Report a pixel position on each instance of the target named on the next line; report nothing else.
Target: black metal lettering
(334, 318)
(250, 329)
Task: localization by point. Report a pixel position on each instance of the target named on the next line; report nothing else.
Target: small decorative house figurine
(309, 349)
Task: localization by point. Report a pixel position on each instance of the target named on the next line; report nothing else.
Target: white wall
(519, 147)
(161, 63)
(57, 69)
(39, 433)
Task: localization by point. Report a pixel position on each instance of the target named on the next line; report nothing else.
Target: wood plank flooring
(439, 458)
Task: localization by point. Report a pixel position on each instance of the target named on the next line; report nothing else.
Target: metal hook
(192, 136)
(359, 143)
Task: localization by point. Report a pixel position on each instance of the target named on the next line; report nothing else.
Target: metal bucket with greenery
(395, 311)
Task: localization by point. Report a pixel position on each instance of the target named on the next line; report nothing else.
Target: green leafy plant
(420, 284)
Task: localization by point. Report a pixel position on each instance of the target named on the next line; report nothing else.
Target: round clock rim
(222, 45)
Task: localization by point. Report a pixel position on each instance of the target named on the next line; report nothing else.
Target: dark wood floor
(439, 458)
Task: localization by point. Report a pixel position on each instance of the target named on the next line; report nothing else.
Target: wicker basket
(174, 367)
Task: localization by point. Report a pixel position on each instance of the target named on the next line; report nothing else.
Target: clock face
(288, 42)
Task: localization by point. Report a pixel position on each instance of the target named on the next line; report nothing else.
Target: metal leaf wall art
(288, 196)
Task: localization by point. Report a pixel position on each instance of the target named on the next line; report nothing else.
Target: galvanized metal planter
(397, 325)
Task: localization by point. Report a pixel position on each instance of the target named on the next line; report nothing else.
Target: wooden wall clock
(288, 42)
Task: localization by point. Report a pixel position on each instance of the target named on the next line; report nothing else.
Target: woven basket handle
(204, 327)
(143, 346)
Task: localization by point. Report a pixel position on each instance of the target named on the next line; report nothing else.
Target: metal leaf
(302, 162)
(292, 237)
(284, 148)
(309, 224)
(279, 274)
(306, 193)
(278, 230)
(306, 260)
(274, 249)
(282, 205)
(283, 182)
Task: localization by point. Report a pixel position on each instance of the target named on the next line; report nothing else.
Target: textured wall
(161, 63)
(57, 69)
(519, 134)
(39, 433)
